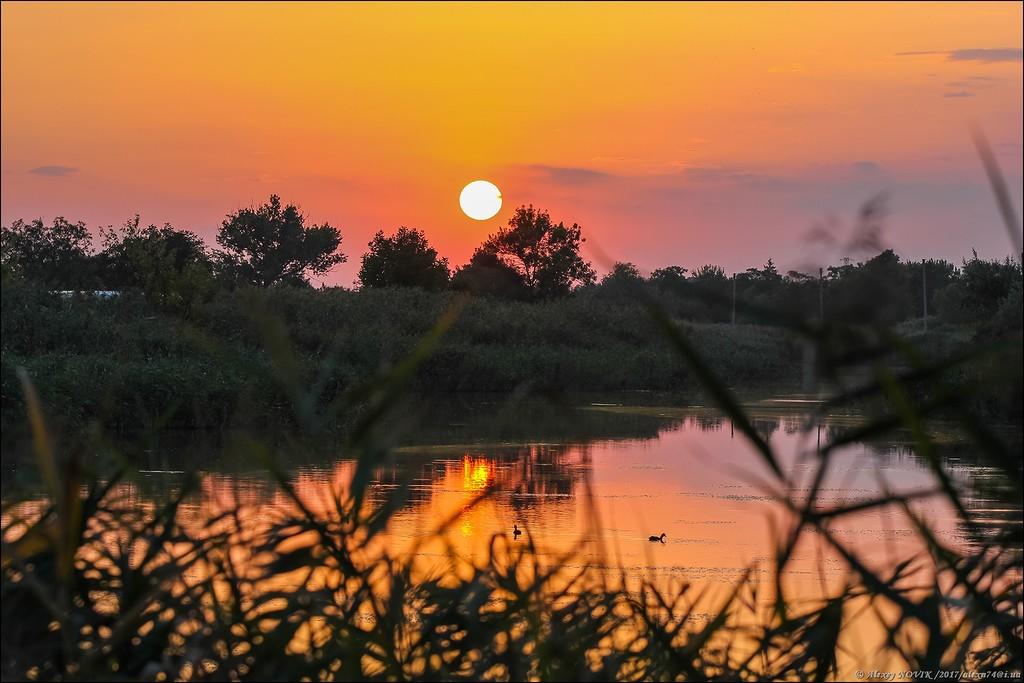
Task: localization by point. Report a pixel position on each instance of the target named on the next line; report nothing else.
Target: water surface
(601, 477)
(589, 482)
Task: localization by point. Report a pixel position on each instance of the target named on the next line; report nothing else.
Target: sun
(480, 200)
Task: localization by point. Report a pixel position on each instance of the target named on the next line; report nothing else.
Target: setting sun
(480, 200)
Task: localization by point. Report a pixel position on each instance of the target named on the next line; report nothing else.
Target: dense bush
(404, 259)
(171, 268)
(125, 359)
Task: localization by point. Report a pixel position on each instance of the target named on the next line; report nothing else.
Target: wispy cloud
(958, 93)
(577, 176)
(54, 171)
(867, 167)
(714, 174)
(972, 82)
(1002, 54)
(570, 175)
(990, 54)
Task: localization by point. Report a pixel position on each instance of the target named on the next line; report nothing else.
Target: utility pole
(924, 292)
(734, 298)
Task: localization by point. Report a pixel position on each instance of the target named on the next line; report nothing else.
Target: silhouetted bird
(656, 539)
(515, 531)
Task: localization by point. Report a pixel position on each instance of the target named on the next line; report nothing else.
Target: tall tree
(875, 291)
(544, 253)
(768, 274)
(622, 281)
(404, 259)
(669, 279)
(56, 255)
(271, 244)
(623, 272)
(709, 286)
(171, 267)
(986, 283)
(487, 275)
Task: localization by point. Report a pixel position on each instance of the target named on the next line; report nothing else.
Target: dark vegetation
(126, 362)
(272, 245)
(403, 260)
(154, 327)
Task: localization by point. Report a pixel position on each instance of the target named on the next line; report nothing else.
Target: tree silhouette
(487, 275)
(623, 281)
(404, 259)
(709, 275)
(544, 253)
(271, 244)
(768, 274)
(171, 267)
(986, 283)
(54, 255)
(669, 279)
(873, 292)
(711, 287)
(622, 272)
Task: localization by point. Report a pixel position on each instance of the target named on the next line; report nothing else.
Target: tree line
(532, 258)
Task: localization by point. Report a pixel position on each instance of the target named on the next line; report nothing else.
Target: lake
(594, 479)
(596, 473)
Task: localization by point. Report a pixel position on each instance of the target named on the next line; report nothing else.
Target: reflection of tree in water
(993, 501)
(793, 424)
(713, 421)
(832, 431)
(529, 475)
(533, 454)
(765, 426)
(533, 421)
(548, 471)
(707, 422)
(527, 471)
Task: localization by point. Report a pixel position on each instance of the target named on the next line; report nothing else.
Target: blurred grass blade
(719, 393)
(41, 443)
(1000, 190)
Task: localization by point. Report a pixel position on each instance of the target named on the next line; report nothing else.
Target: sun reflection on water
(477, 473)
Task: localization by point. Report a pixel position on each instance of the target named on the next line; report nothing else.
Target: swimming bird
(515, 531)
(657, 539)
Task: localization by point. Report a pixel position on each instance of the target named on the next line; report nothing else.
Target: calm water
(599, 478)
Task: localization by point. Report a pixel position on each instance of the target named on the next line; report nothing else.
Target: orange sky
(681, 134)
